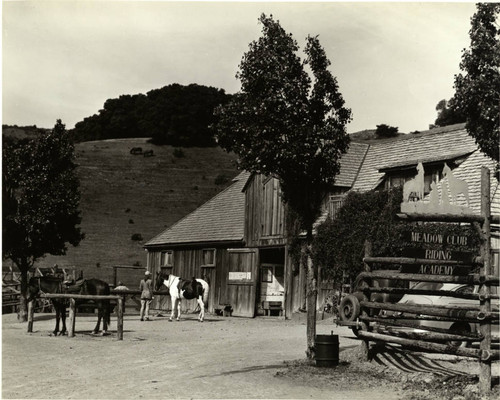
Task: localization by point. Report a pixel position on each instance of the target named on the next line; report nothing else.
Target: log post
(72, 315)
(119, 322)
(31, 312)
(485, 302)
(365, 325)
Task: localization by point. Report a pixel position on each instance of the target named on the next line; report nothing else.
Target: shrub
(221, 179)
(339, 245)
(131, 221)
(386, 131)
(137, 237)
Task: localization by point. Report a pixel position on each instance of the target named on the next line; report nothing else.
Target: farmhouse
(238, 240)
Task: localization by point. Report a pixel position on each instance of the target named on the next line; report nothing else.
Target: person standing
(146, 288)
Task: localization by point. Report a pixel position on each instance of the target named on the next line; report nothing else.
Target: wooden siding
(264, 213)
(188, 263)
(240, 293)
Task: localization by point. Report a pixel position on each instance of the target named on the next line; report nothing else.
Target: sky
(63, 59)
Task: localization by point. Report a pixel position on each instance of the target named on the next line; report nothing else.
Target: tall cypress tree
(290, 125)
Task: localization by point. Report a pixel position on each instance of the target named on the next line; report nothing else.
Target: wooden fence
(117, 294)
(432, 339)
(72, 310)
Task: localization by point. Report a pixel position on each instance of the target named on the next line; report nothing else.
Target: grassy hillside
(125, 194)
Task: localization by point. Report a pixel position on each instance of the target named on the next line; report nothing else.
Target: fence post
(365, 344)
(72, 315)
(31, 312)
(119, 323)
(485, 303)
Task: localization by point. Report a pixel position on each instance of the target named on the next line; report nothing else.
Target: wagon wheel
(349, 308)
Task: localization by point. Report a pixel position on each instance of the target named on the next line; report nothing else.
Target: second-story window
(398, 179)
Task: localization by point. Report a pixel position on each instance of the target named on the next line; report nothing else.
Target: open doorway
(271, 299)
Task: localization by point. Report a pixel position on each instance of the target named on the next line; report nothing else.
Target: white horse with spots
(184, 289)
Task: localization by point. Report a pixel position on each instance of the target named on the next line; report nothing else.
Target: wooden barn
(238, 239)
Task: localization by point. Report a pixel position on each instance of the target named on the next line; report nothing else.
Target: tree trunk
(312, 297)
(22, 314)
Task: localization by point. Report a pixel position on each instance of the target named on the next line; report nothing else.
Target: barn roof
(350, 164)
(363, 167)
(220, 219)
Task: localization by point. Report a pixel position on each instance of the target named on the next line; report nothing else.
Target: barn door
(242, 281)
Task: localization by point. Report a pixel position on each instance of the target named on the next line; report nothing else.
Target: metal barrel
(327, 350)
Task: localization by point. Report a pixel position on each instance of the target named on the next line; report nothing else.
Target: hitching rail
(72, 309)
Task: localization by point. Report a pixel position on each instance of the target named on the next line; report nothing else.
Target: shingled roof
(437, 144)
(221, 219)
(470, 171)
(350, 164)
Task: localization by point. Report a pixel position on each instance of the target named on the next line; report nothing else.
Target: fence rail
(483, 314)
(72, 309)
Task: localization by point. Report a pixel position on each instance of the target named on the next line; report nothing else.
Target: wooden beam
(119, 322)
(417, 261)
(441, 217)
(442, 293)
(485, 251)
(79, 296)
(414, 325)
(467, 313)
(473, 279)
(31, 312)
(72, 317)
(434, 347)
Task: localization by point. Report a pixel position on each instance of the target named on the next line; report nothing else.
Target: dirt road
(221, 358)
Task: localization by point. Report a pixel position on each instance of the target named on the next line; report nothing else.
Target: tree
(386, 131)
(477, 93)
(176, 115)
(281, 126)
(447, 114)
(40, 201)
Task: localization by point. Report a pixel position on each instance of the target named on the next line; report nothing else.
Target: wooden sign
(441, 254)
(240, 276)
(448, 196)
(436, 238)
(453, 270)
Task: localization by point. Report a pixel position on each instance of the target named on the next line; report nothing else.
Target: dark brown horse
(49, 284)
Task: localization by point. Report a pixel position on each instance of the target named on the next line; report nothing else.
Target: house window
(399, 180)
(272, 210)
(334, 204)
(208, 257)
(167, 259)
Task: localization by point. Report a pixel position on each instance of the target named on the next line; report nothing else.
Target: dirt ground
(222, 358)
